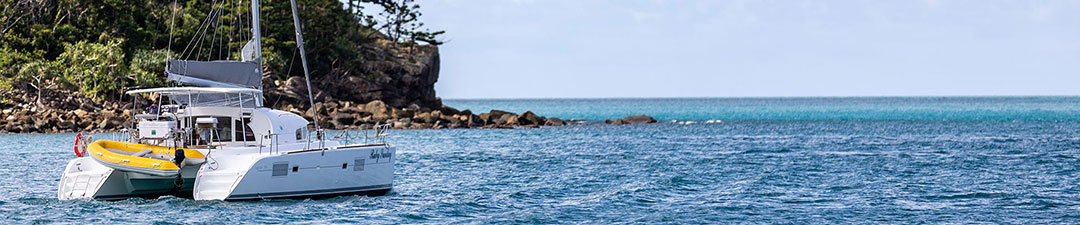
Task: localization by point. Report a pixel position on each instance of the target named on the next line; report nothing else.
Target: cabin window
(244, 133)
(280, 169)
(300, 134)
(224, 129)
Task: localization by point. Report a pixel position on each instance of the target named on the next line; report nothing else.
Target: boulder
(413, 107)
(507, 119)
(455, 124)
(471, 121)
(343, 118)
(553, 121)
(484, 118)
(42, 123)
(639, 119)
(331, 106)
(348, 108)
(296, 86)
(116, 122)
(530, 118)
(334, 124)
(419, 126)
(402, 123)
(399, 114)
(378, 110)
(447, 110)
(366, 120)
(495, 114)
(424, 117)
(66, 125)
(28, 128)
(375, 107)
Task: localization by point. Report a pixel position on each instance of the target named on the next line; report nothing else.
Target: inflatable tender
(141, 158)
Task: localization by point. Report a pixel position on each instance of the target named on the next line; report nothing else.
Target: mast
(303, 60)
(257, 36)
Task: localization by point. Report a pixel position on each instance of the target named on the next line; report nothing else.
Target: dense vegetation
(101, 47)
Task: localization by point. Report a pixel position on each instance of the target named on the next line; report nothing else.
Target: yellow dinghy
(141, 158)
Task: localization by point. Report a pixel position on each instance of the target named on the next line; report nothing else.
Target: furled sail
(230, 74)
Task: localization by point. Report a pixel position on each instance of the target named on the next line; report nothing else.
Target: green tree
(101, 47)
(39, 75)
(92, 68)
(400, 20)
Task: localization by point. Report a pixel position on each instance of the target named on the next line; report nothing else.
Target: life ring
(79, 142)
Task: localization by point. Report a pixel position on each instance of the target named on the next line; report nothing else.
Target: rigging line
(287, 73)
(202, 40)
(184, 53)
(217, 30)
(236, 30)
(222, 45)
(205, 24)
(189, 45)
(240, 17)
(172, 21)
(213, 38)
(209, 21)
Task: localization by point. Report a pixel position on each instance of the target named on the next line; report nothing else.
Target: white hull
(354, 169)
(336, 171)
(87, 178)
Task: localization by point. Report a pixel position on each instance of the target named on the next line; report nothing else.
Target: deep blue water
(771, 160)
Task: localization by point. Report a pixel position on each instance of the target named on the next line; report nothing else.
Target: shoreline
(335, 115)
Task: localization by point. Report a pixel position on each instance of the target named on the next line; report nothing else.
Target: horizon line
(733, 97)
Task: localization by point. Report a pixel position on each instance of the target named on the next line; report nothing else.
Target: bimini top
(195, 90)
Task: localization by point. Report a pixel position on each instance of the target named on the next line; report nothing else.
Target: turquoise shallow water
(811, 108)
(810, 160)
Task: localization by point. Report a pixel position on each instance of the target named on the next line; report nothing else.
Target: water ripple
(876, 171)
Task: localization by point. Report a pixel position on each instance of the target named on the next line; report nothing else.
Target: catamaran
(216, 140)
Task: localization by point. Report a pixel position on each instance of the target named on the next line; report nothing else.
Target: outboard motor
(178, 159)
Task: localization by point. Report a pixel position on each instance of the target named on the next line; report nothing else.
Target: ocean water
(753, 160)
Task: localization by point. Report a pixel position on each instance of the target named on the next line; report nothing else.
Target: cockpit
(203, 117)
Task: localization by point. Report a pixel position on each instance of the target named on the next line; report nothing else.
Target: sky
(750, 48)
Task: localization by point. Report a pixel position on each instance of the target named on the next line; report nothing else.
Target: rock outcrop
(399, 77)
(639, 119)
(348, 115)
(88, 116)
(32, 115)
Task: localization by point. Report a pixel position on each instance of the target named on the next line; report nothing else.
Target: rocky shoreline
(348, 115)
(71, 112)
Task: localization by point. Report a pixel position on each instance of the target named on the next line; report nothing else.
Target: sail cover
(216, 73)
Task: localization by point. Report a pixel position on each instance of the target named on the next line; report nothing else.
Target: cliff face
(397, 76)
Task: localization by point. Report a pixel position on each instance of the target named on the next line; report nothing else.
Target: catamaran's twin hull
(345, 170)
(87, 178)
(358, 169)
